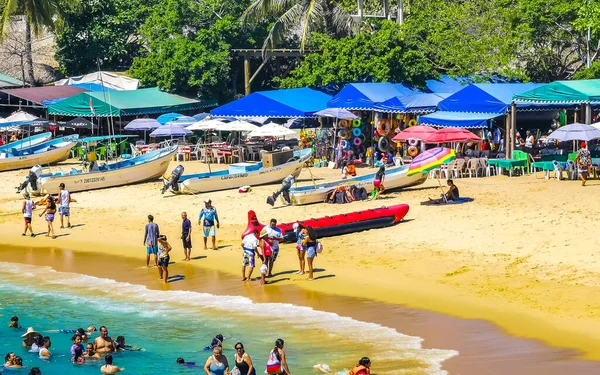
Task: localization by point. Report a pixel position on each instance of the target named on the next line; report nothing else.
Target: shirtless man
(104, 343)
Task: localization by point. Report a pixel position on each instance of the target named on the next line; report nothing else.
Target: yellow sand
(523, 254)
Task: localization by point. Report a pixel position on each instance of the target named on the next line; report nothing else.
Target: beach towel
(437, 202)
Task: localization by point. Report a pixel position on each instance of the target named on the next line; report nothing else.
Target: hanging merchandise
(413, 142)
(412, 151)
(412, 123)
(344, 134)
(357, 141)
(356, 132)
(345, 124)
(383, 144)
(356, 123)
(383, 127)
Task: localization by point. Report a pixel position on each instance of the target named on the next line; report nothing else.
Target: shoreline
(478, 342)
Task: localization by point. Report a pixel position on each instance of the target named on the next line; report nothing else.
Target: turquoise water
(171, 324)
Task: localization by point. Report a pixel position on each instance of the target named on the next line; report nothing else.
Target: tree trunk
(29, 54)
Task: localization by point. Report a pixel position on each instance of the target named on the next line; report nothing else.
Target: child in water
(14, 322)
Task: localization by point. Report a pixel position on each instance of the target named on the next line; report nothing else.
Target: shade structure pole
(507, 119)
(513, 129)
(588, 113)
(246, 75)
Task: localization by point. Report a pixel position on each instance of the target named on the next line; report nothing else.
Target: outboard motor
(174, 180)
(284, 190)
(34, 173)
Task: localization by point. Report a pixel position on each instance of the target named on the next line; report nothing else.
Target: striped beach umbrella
(431, 159)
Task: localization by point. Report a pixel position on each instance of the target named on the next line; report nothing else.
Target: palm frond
(9, 7)
(343, 22)
(288, 20)
(312, 21)
(261, 9)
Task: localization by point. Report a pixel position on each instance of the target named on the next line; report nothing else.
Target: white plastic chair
(195, 152)
(489, 169)
(217, 156)
(458, 170)
(236, 153)
(447, 169)
(473, 167)
(134, 151)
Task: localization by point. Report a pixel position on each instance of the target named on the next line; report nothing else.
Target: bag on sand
(319, 247)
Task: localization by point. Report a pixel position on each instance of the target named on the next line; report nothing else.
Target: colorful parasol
(414, 132)
(430, 159)
(452, 135)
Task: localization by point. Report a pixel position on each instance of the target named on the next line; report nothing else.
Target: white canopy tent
(273, 130)
(110, 80)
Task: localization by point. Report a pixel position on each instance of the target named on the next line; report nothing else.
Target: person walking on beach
(249, 246)
(151, 234)
(310, 244)
(277, 363)
(50, 210)
(104, 343)
(108, 367)
(207, 218)
(583, 161)
(217, 363)
(299, 229)
(186, 235)
(163, 258)
(378, 181)
(27, 211)
(64, 199)
(275, 236)
(242, 360)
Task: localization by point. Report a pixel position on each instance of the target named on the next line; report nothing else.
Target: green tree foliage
(105, 30)
(380, 56)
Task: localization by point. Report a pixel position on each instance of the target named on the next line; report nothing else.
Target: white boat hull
(43, 158)
(234, 181)
(147, 171)
(392, 181)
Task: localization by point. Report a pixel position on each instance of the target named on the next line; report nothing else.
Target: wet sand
(483, 347)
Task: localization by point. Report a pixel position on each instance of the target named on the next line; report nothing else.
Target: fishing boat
(49, 152)
(239, 174)
(337, 225)
(147, 167)
(395, 178)
(25, 143)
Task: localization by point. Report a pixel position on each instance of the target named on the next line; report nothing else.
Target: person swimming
(14, 322)
(216, 341)
(121, 346)
(182, 362)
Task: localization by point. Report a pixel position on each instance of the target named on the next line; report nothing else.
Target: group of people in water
(81, 351)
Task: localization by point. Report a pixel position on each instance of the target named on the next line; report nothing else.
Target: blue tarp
(458, 119)
(364, 96)
(446, 84)
(288, 103)
(485, 97)
(414, 103)
(94, 87)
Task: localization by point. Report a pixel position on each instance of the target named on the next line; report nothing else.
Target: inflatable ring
(412, 151)
(357, 141)
(383, 127)
(344, 134)
(412, 123)
(345, 124)
(356, 123)
(413, 142)
(344, 143)
(383, 144)
(394, 123)
(356, 132)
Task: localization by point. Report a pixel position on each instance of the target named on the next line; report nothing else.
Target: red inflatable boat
(329, 226)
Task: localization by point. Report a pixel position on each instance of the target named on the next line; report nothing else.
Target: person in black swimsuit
(243, 362)
(452, 194)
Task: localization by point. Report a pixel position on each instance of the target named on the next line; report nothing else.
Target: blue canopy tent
(163, 119)
(364, 96)
(446, 84)
(288, 103)
(444, 119)
(414, 103)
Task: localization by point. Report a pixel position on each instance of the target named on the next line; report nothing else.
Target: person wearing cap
(583, 161)
(275, 236)
(265, 252)
(249, 246)
(151, 234)
(27, 210)
(64, 208)
(207, 218)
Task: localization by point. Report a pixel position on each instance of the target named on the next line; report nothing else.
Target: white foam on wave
(126, 297)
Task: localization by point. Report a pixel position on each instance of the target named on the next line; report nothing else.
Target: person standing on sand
(186, 235)
(583, 162)
(378, 181)
(163, 258)
(27, 211)
(210, 216)
(150, 240)
(64, 199)
(310, 244)
(265, 253)
(249, 246)
(275, 236)
(299, 229)
(104, 343)
(50, 210)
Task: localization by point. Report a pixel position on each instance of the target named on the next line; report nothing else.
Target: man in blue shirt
(207, 218)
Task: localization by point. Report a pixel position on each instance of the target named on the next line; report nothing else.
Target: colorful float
(337, 225)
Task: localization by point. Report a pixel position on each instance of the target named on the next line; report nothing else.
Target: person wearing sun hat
(29, 337)
(583, 162)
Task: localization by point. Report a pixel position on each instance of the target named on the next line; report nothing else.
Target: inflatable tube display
(344, 134)
(383, 127)
(412, 123)
(357, 141)
(356, 132)
(383, 144)
(344, 144)
(413, 142)
(329, 226)
(345, 124)
(412, 151)
(356, 123)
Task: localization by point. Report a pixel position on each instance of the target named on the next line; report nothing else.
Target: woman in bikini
(50, 210)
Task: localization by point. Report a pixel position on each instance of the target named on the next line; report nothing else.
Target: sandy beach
(522, 255)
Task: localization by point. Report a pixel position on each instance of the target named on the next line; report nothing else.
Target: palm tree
(37, 14)
(300, 17)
